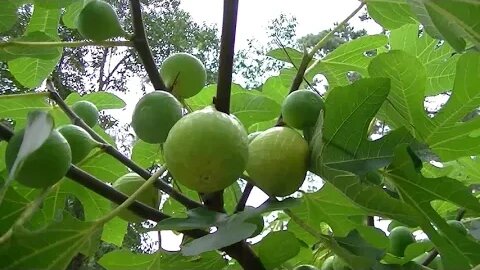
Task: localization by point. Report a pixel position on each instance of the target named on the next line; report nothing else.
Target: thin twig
(140, 42)
(243, 200)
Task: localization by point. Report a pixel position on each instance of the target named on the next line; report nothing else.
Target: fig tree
(98, 21)
(206, 150)
(81, 143)
(45, 166)
(154, 116)
(301, 108)
(184, 74)
(400, 237)
(278, 160)
(87, 111)
(128, 184)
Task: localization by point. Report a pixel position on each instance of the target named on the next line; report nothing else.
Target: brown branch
(140, 43)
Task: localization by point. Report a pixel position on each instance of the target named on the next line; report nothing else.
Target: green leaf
(275, 89)
(102, 100)
(198, 218)
(288, 55)
(276, 248)
(202, 99)
(411, 252)
(231, 196)
(446, 134)
(346, 58)
(103, 166)
(418, 7)
(16, 107)
(127, 260)
(331, 206)
(233, 230)
(70, 16)
(355, 244)
(464, 169)
(344, 142)
(8, 15)
(146, 154)
(11, 209)
(456, 21)
(31, 72)
(251, 107)
(438, 60)
(456, 249)
(341, 144)
(262, 126)
(11, 52)
(391, 14)
(57, 4)
(114, 231)
(51, 248)
(39, 127)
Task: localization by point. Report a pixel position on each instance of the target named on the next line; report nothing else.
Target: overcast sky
(313, 16)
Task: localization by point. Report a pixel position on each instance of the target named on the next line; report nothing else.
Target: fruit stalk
(140, 43)
(109, 149)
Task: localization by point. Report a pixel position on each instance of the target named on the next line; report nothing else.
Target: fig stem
(66, 44)
(140, 43)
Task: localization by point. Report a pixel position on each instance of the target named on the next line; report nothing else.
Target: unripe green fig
(128, 184)
(45, 166)
(400, 237)
(184, 74)
(154, 116)
(81, 143)
(278, 161)
(87, 111)
(458, 226)
(301, 108)
(305, 267)
(328, 263)
(206, 150)
(98, 21)
(393, 224)
(340, 264)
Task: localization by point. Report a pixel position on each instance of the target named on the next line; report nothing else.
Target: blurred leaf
(252, 107)
(50, 248)
(8, 15)
(354, 243)
(31, 72)
(231, 196)
(39, 127)
(102, 100)
(57, 4)
(127, 260)
(70, 16)
(198, 218)
(411, 252)
(276, 248)
(275, 89)
(288, 55)
(146, 154)
(11, 52)
(262, 126)
(17, 106)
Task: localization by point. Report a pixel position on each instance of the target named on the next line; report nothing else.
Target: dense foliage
(374, 150)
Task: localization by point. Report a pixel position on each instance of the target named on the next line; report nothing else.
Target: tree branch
(140, 43)
(227, 51)
(109, 149)
(245, 194)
